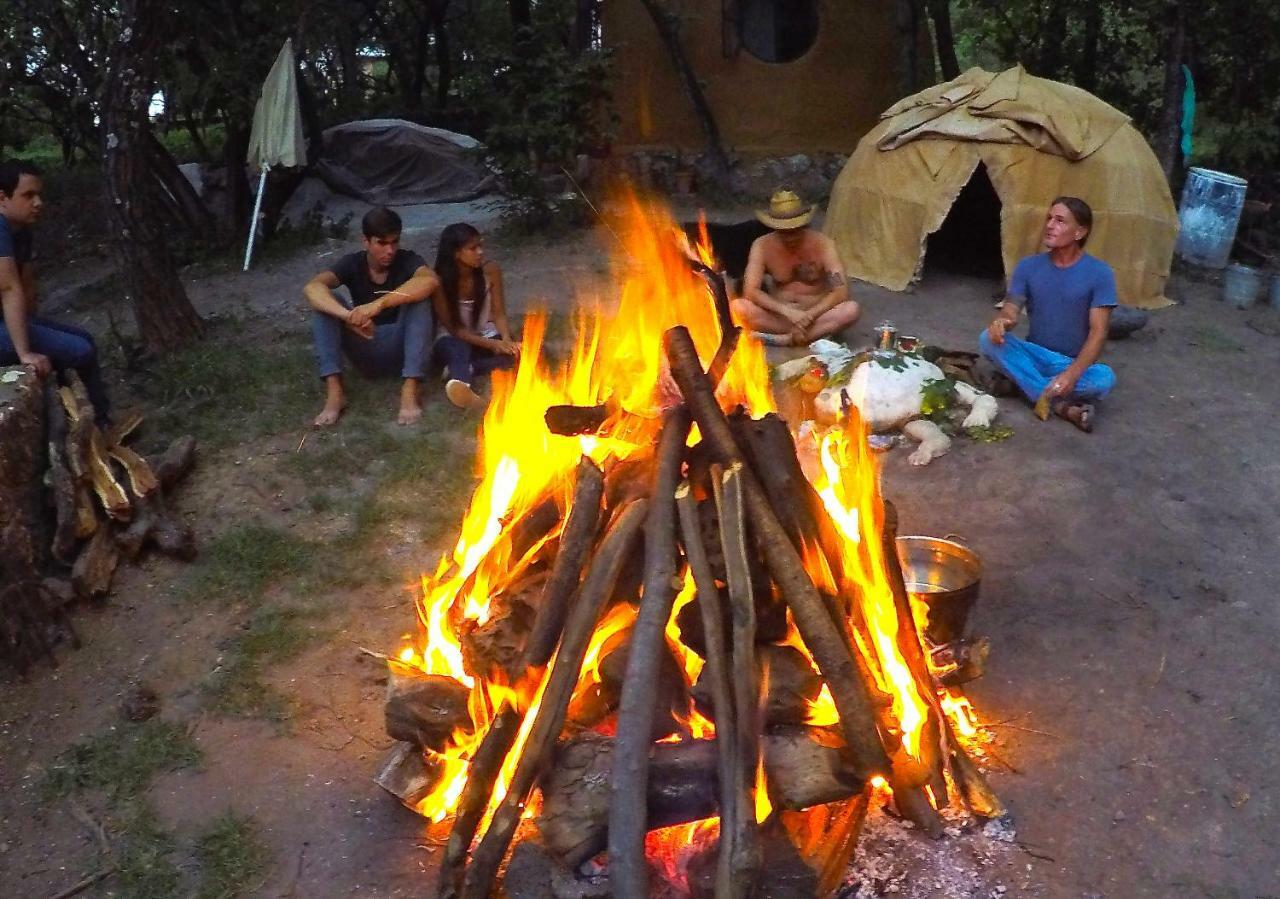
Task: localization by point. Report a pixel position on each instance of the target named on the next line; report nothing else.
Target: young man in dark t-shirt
(1068, 295)
(385, 327)
(25, 338)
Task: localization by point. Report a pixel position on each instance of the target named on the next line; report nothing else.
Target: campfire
(657, 647)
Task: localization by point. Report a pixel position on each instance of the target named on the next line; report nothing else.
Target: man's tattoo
(834, 280)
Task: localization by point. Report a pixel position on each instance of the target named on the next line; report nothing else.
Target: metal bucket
(943, 575)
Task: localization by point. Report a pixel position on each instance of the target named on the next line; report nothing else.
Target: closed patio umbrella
(276, 139)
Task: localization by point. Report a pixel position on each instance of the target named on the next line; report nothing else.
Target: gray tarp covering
(392, 162)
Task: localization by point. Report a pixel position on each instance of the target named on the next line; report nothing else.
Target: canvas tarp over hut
(1038, 139)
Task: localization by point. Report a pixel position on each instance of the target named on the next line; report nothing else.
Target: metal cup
(908, 343)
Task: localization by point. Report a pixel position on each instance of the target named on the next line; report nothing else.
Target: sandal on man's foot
(1079, 414)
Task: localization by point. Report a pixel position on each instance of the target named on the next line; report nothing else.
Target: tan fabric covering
(276, 139)
(1038, 139)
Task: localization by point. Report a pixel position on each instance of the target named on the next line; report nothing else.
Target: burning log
(793, 687)
(496, 647)
(819, 632)
(571, 421)
(628, 872)
(978, 795)
(908, 795)
(739, 827)
(575, 542)
(804, 768)
(424, 709)
(961, 661)
(716, 670)
(550, 716)
(669, 694)
(406, 775)
(485, 766)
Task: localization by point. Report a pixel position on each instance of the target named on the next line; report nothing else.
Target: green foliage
(937, 398)
(270, 636)
(988, 433)
(144, 857)
(246, 378)
(242, 561)
(231, 855)
(122, 760)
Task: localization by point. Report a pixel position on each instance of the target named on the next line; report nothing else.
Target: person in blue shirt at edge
(1068, 295)
(26, 338)
(386, 326)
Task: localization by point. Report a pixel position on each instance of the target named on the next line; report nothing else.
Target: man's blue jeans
(1032, 367)
(67, 347)
(464, 361)
(400, 346)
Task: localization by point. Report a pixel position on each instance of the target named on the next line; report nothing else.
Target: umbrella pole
(253, 222)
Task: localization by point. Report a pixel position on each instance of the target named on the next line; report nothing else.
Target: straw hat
(786, 212)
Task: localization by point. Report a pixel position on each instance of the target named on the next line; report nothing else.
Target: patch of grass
(143, 854)
(123, 760)
(244, 379)
(271, 636)
(231, 855)
(245, 559)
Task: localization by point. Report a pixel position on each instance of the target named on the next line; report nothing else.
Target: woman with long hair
(471, 305)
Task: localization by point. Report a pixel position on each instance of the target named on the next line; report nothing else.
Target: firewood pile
(777, 709)
(77, 502)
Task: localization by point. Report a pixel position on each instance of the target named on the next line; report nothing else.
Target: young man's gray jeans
(401, 345)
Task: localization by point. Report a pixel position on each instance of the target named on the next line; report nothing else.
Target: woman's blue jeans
(464, 362)
(1032, 367)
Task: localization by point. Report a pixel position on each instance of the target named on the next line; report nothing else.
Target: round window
(778, 30)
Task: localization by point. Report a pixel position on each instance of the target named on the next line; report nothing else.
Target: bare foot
(410, 412)
(329, 415)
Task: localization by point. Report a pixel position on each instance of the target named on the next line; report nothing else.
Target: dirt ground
(1131, 692)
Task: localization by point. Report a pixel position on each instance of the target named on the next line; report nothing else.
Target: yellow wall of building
(822, 102)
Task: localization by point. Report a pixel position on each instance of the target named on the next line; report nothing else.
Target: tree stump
(24, 537)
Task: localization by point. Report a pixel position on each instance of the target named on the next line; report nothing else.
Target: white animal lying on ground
(888, 396)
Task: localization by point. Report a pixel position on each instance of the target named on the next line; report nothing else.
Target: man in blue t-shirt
(26, 338)
(1068, 295)
(384, 327)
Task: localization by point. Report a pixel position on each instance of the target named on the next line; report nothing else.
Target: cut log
(142, 480)
(483, 771)
(628, 872)
(740, 825)
(424, 709)
(61, 483)
(961, 661)
(125, 424)
(571, 421)
(715, 675)
(670, 696)
(804, 768)
(494, 649)
(405, 774)
(575, 543)
(95, 566)
(820, 634)
(561, 680)
(154, 523)
(973, 787)
(793, 687)
(91, 449)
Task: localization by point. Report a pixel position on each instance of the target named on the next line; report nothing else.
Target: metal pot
(944, 575)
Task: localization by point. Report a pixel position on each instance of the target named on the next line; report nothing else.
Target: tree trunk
(521, 13)
(166, 319)
(1087, 70)
(1052, 33)
(669, 31)
(187, 205)
(1171, 113)
(940, 12)
(908, 19)
(437, 10)
(584, 24)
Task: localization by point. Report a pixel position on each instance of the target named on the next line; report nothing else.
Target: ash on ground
(976, 859)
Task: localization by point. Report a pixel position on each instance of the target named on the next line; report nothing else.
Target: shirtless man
(809, 297)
